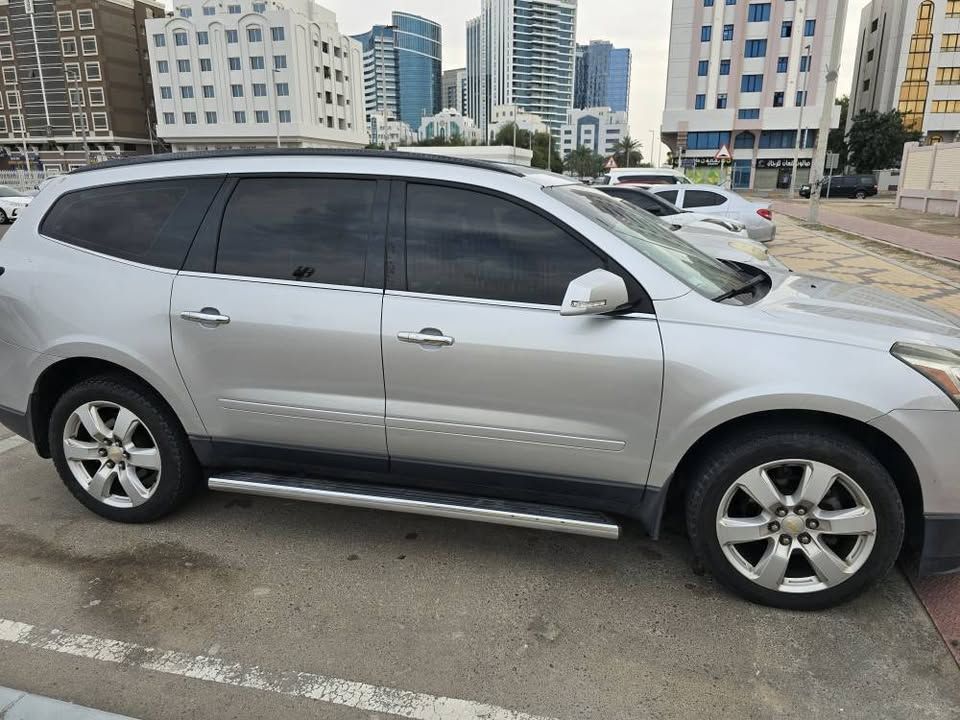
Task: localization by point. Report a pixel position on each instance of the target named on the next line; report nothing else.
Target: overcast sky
(641, 25)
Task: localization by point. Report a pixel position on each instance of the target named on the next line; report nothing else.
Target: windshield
(652, 238)
(7, 191)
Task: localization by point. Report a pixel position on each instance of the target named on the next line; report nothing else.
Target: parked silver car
(461, 339)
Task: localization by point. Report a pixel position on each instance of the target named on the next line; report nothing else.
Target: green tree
(837, 142)
(441, 141)
(541, 141)
(627, 152)
(505, 136)
(876, 140)
(584, 162)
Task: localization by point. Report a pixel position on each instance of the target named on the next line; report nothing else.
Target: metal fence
(23, 180)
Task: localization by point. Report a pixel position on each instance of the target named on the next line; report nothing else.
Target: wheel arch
(886, 449)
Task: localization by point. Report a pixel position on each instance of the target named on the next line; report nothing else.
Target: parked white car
(11, 203)
(662, 208)
(719, 202)
(643, 177)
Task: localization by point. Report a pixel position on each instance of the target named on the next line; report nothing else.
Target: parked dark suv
(845, 186)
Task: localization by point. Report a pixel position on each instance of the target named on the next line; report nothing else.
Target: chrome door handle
(207, 316)
(427, 336)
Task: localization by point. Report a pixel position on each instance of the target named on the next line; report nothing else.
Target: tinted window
(702, 198)
(867, 180)
(649, 179)
(669, 195)
(469, 244)
(149, 222)
(644, 202)
(307, 229)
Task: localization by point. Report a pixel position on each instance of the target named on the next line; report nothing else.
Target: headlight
(759, 253)
(939, 365)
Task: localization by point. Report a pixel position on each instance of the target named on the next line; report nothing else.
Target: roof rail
(298, 152)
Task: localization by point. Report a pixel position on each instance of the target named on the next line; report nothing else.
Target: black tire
(180, 472)
(726, 461)
(861, 195)
(3, 217)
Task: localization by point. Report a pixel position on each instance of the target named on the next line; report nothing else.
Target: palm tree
(626, 150)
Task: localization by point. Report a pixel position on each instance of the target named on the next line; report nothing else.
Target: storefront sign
(777, 163)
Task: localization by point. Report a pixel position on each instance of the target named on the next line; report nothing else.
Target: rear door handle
(430, 337)
(207, 316)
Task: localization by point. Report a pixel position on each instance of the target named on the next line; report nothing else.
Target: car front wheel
(796, 519)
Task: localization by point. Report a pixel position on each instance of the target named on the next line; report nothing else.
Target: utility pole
(800, 133)
(826, 115)
(276, 105)
(83, 116)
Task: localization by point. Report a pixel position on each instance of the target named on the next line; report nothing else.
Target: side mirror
(597, 292)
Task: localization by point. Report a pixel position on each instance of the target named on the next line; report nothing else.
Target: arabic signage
(777, 163)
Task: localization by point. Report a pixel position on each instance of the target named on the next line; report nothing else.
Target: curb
(17, 705)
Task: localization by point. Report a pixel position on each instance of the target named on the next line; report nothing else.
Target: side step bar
(421, 502)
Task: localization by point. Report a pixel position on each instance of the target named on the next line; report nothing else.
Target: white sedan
(722, 203)
(11, 203)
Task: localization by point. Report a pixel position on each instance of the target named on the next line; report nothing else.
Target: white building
(450, 125)
(598, 128)
(390, 133)
(454, 93)
(908, 59)
(522, 52)
(748, 75)
(504, 115)
(244, 73)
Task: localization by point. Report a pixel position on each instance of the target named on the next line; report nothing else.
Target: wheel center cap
(115, 454)
(793, 525)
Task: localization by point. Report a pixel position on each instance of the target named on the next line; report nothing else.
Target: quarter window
(160, 219)
(470, 244)
(702, 198)
(317, 230)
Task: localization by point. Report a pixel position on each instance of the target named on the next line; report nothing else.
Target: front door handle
(430, 337)
(207, 316)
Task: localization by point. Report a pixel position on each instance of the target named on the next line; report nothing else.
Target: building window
(189, 118)
(866, 85)
(186, 12)
(706, 32)
(4, 26)
(948, 76)
(801, 98)
(874, 25)
(159, 40)
(180, 38)
(65, 20)
(67, 45)
(786, 29)
(232, 37)
(99, 121)
(260, 7)
(203, 38)
(92, 69)
(80, 121)
(728, 32)
(950, 42)
(870, 55)
(166, 92)
(259, 90)
(777, 139)
(721, 101)
(16, 123)
(210, 117)
(778, 99)
(724, 67)
(239, 117)
(75, 97)
(707, 140)
(262, 116)
(234, 63)
(168, 118)
(207, 91)
(72, 71)
(163, 67)
(700, 102)
(13, 99)
(254, 34)
(276, 34)
(279, 62)
(256, 62)
(284, 116)
(783, 63)
(809, 28)
(756, 48)
(183, 66)
(233, 9)
(953, 8)
(946, 106)
(209, 10)
(3, 129)
(89, 45)
(283, 89)
(186, 92)
(731, 2)
(751, 83)
(236, 90)
(748, 114)
(9, 76)
(805, 63)
(745, 140)
(703, 68)
(758, 12)
(206, 65)
(708, 3)
(324, 48)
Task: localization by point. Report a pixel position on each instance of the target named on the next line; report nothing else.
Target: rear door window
(147, 222)
(642, 201)
(867, 180)
(702, 198)
(669, 195)
(304, 229)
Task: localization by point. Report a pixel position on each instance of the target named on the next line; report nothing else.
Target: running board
(421, 502)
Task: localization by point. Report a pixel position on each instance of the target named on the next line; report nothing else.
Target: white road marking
(348, 693)
(10, 443)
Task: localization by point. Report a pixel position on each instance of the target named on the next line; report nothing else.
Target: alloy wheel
(796, 526)
(112, 454)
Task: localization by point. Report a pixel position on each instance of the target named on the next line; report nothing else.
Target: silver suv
(474, 341)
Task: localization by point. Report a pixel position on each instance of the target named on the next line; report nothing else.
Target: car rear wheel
(861, 195)
(796, 519)
(121, 451)
(3, 217)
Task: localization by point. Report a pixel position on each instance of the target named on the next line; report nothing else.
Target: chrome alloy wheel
(112, 454)
(796, 526)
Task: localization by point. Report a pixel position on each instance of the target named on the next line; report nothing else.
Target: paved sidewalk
(16, 705)
(911, 238)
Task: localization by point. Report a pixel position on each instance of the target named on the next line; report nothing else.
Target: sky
(641, 25)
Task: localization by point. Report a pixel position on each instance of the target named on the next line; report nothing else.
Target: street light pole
(83, 116)
(276, 105)
(796, 145)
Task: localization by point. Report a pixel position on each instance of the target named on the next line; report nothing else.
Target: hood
(855, 313)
